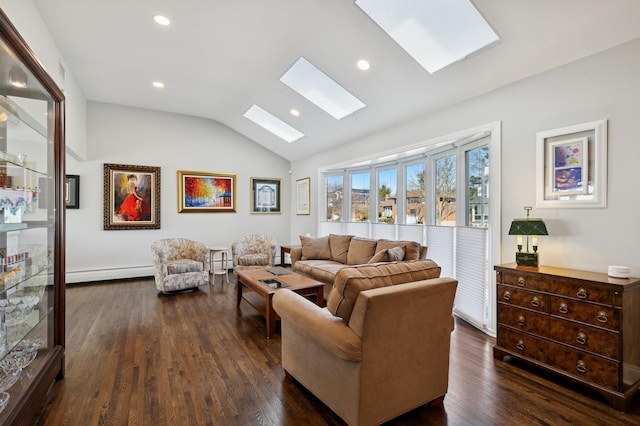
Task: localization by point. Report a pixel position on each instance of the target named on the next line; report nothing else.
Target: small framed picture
(203, 192)
(571, 166)
(265, 195)
(567, 166)
(303, 197)
(131, 197)
(72, 191)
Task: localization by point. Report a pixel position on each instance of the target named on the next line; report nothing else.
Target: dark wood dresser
(582, 325)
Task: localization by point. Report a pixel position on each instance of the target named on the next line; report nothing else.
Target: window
(445, 190)
(414, 206)
(387, 195)
(335, 196)
(477, 162)
(360, 189)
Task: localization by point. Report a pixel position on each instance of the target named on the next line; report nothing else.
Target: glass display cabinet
(31, 229)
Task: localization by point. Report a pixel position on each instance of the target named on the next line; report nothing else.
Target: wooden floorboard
(134, 357)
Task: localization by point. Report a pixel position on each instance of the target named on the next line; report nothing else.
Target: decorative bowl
(8, 378)
(4, 399)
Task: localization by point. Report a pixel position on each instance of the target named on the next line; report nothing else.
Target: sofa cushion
(321, 270)
(360, 250)
(350, 281)
(339, 245)
(181, 266)
(315, 248)
(411, 248)
(253, 259)
(380, 256)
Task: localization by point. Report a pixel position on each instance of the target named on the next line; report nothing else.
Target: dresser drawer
(578, 290)
(584, 366)
(532, 282)
(601, 342)
(524, 298)
(521, 319)
(601, 316)
(523, 344)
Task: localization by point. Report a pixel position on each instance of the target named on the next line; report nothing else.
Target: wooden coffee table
(260, 294)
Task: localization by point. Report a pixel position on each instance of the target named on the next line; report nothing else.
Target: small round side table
(223, 263)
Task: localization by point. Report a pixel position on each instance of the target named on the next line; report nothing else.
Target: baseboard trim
(108, 274)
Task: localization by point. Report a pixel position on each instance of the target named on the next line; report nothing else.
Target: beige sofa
(322, 257)
(381, 346)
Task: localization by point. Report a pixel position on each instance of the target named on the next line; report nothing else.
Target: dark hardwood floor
(134, 357)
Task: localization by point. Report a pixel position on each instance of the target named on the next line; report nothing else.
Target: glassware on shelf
(8, 377)
(4, 399)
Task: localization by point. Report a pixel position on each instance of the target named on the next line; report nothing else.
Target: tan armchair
(180, 264)
(253, 251)
(389, 356)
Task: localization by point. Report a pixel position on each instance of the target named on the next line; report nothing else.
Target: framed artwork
(303, 197)
(201, 192)
(265, 195)
(571, 166)
(131, 197)
(72, 191)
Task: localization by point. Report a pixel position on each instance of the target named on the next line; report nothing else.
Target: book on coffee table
(279, 271)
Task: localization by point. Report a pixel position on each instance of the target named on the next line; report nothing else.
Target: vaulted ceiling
(217, 58)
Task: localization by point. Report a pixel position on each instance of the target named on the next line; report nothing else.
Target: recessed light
(161, 20)
(158, 84)
(363, 65)
(294, 112)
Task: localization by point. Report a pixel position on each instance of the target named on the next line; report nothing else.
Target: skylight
(272, 124)
(320, 89)
(435, 33)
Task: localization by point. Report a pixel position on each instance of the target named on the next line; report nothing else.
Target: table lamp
(530, 227)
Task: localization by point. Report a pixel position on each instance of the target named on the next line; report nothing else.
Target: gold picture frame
(131, 197)
(205, 192)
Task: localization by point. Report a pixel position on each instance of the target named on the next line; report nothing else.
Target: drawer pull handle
(582, 293)
(535, 301)
(521, 281)
(507, 295)
(521, 320)
(582, 338)
(563, 308)
(602, 316)
(581, 366)
(520, 345)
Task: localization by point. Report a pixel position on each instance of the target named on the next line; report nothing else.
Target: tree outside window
(387, 195)
(335, 198)
(415, 194)
(445, 181)
(478, 187)
(360, 193)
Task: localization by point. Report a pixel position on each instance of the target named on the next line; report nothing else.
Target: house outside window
(360, 195)
(334, 197)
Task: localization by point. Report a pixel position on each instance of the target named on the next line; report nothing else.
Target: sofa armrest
(296, 254)
(330, 332)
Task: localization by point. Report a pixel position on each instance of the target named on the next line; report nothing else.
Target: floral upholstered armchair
(253, 251)
(180, 264)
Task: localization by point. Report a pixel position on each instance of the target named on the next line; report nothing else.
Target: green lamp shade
(528, 227)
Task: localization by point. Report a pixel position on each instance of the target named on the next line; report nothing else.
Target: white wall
(603, 86)
(123, 135)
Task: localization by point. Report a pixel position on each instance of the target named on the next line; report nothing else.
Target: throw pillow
(360, 250)
(339, 245)
(380, 256)
(395, 254)
(315, 248)
(411, 248)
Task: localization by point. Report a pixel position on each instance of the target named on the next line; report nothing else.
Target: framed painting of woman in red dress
(131, 197)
